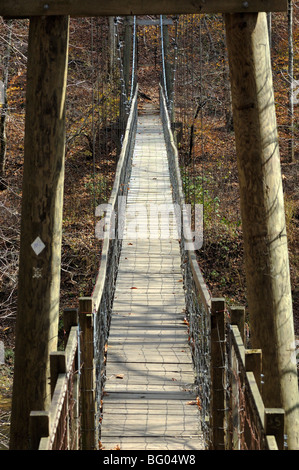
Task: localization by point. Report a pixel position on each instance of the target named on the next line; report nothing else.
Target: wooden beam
(39, 427)
(237, 315)
(262, 209)
(26, 8)
(41, 224)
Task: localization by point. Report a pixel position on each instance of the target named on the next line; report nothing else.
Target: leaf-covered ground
(91, 157)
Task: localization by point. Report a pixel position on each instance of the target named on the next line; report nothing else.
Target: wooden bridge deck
(149, 402)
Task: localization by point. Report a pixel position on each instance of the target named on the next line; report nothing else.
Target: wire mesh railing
(249, 424)
(198, 301)
(227, 375)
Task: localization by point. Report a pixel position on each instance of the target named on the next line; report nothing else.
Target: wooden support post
(237, 317)
(274, 425)
(57, 366)
(70, 318)
(39, 426)
(234, 417)
(262, 210)
(218, 374)
(233, 438)
(87, 383)
(41, 224)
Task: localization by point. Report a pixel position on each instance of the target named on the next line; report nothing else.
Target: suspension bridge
(152, 361)
(150, 377)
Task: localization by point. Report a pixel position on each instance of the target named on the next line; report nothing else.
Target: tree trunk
(4, 108)
(262, 209)
(112, 44)
(42, 200)
(291, 145)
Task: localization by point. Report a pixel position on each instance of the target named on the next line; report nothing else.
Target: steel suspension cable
(163, 61)
(133, 62)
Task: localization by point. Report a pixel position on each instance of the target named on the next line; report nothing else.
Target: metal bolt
(245, 4)
(46, 6)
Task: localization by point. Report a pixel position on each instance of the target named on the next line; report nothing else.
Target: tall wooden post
(42, 198)
(262, 209)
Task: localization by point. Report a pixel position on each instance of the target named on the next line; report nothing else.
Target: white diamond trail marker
(38, 246)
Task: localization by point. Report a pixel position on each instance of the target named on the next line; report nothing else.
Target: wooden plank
(59, 396)
(253, 363)
(154, 443)
(271, 443)
(257, 398)
(156, 378)
(161, 357)
(26, 8)
(238, 344)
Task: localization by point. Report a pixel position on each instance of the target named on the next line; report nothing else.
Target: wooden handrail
(200, 284)
(97, 293)
(44, 424)
(269, 422)
(249, 361)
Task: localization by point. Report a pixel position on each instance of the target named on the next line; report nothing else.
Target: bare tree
(291, 146)
(4, 107)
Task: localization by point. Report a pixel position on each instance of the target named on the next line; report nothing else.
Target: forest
(202, 119)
